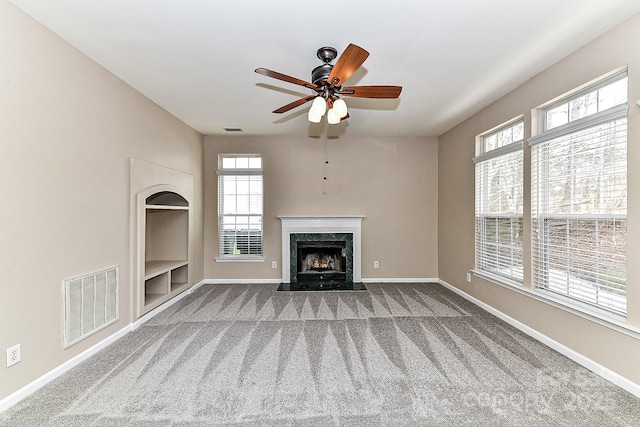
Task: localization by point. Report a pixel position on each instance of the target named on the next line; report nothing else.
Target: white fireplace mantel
(294, 224)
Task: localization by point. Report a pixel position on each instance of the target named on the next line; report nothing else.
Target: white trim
(498, 279)
(614, 113)
(240, 281)
(147, 316)
(363, 280)
(45, 379)
(498, 152)
(591, 365)
(595, 84)
(400, 280)
(239, 172)
(239, 258)
(602, 317)
(293, 224)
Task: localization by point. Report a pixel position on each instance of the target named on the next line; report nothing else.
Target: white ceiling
(196, 58)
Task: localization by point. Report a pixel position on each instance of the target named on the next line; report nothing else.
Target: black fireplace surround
(321, 261)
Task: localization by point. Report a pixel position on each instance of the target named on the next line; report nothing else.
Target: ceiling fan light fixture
(313, 116)
(340, 107)
(333, 118)
(319, 106)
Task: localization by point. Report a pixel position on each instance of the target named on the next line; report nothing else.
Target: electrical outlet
(469, 277)
(375, 264)
(13, 355)
(274, 264)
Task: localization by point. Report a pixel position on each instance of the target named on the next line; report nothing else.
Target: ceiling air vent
(233, 130)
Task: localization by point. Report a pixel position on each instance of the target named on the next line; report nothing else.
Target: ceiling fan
(327, 81)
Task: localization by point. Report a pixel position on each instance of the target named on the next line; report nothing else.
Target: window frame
(542, 212)
(541, 130)
(248, 171)
(482, 216)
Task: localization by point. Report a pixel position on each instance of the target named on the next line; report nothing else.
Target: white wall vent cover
(90, 304)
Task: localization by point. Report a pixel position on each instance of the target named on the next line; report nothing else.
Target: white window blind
(240, 202)
(499, 201)
(579, 206)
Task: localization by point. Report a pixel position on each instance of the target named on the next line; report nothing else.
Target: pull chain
(326, 153)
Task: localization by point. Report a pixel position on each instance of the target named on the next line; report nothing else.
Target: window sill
(601, 317)
(240, 258)
(497, 279)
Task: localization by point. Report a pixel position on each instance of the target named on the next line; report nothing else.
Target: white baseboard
(364, 280)
(40, 382)
(399, 280)
(241, 281)
(591, 365)
(142, 319)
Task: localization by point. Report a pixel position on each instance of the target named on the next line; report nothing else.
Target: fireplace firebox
(321, 261)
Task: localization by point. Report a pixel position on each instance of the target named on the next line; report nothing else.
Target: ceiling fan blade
(294, 104)
(350, 60)
(372, 91)
(285, 78)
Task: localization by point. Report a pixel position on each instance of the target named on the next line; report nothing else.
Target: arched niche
(163, 234)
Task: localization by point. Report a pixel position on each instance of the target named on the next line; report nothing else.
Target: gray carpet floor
(396, 355)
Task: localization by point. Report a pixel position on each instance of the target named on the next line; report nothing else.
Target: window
(579, 197)
(240, 206)
(499, 170)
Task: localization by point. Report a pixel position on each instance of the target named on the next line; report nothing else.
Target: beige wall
(612, 349)
(392, 181)
(67, 130)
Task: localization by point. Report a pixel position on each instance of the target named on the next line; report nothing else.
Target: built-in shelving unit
(166, 248)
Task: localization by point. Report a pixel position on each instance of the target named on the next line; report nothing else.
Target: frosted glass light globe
(332, 117)
(319, 106)
(313, 116)
(341, 107)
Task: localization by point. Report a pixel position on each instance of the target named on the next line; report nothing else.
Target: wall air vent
(90, 304)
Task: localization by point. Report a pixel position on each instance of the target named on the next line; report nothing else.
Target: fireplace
(321, 249)
(321, 257)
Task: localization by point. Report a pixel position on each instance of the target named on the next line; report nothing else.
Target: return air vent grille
(90, 304)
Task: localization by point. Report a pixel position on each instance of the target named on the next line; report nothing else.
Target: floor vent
(90, 304)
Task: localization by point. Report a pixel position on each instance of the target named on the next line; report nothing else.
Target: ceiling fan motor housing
(321, 73)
